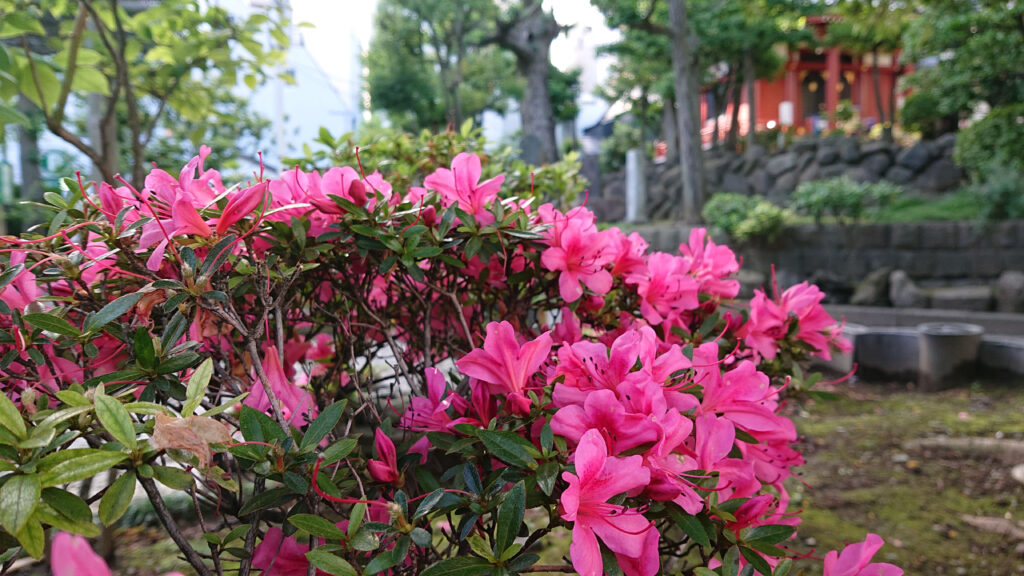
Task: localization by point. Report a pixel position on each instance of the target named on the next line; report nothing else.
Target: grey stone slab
(971, 298)
(938, 235)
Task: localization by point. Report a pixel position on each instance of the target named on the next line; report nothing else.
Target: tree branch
(69, 70)
(172, 527)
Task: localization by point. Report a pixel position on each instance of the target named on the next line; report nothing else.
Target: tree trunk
(668, 129)
(876, 80)
(751, 77)
(28, 152)
(683, 69)
(734, 124)
(529, 38)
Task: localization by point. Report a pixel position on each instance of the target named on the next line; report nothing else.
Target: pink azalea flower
(505, 365)
(711, 264)
(666, 288)
(431, 413)
(386, 469)
(585, 503)
(769, 322)
(461, 185)
(277, 555)
(580, 253)
(855, 560)
(622, 430)
(296, 402)
(240, 205)
(23, 289)
(71, 555)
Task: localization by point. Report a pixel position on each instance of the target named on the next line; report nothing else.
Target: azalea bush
(348, 377)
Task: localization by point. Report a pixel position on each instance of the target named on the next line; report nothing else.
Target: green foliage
(842, 198)
(409, 158)
(920, 113)
(959, 205)
(979, 53)
(745, 218)
(428, 64)
(169, 67)
(1000, 193)
(993, 144)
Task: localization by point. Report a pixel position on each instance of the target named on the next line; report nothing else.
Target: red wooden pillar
(832, 85)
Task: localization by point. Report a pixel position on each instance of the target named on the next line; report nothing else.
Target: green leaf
(177, 363)
(116, 420)
(218, 254)
(783, 567)
(32, 539)
(18, 22)
(702, 571)
(355, 518)
(117, 498)
(755, 560)
(196, 390)
(330, 563)
(731, 562)
(462, 566)
(11, 115)
(769, 534)
(420, 537)
(18, 500)
(84, 463)
(10, 417)
(11, 273)
(145, 353)
(690, 525)
(317, 526)
(51, 323)
(272, 497)
(392, 557)
(173, 477)
(546, 476)
(364, 541)
(510, 518)
(90, 80)
(509, 448)
(339, 450)
(68, 504)
(428, 503)
(112, 311)
(323, 425)
(218, 409)
(46, 514)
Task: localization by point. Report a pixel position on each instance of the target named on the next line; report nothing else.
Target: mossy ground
(861, 479)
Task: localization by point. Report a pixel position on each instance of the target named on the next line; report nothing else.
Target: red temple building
(813, 80)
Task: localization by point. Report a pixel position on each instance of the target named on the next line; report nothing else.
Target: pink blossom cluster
(642, 361)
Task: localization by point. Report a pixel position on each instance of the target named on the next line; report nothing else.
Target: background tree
(178, 55)
(970, 52)
(428, 67)
(872, 27)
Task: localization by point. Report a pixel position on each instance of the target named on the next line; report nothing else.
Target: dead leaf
(193, 434)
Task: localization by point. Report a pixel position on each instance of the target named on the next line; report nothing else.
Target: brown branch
(69, 70)
(550, 568)
(250, 536)
(172, 527)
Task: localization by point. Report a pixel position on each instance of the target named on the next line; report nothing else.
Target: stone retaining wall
(926, 166)
(839, 257)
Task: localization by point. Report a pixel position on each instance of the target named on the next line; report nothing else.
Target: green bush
(745, 218)
(842, 198)
(994, 141)
(920, 113)
(1001, 194)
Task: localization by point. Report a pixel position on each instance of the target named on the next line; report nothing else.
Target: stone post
(636, 187)
(949, 354)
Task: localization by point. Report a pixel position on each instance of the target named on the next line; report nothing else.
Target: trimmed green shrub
(745, 218)
(842, 198)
